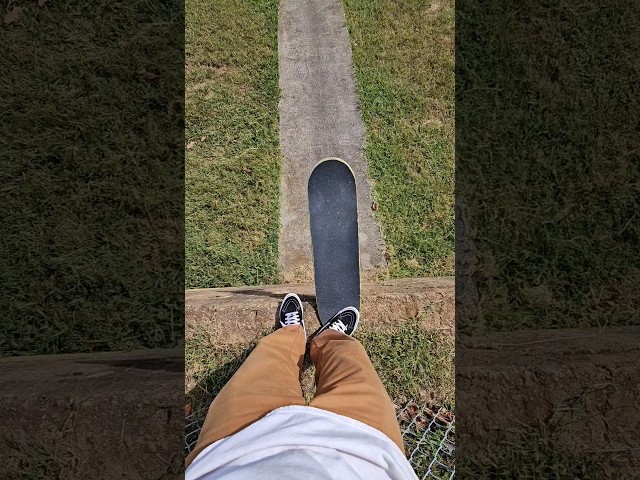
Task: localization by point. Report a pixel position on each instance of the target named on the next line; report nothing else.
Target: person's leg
(268, 379)
(347, 384)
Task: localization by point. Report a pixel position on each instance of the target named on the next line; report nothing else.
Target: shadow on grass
(201, 396)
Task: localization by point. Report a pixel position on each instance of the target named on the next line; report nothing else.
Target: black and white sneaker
(345, 321)
(290, 313)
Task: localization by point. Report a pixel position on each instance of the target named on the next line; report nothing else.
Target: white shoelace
(291, 318)
(338, 326)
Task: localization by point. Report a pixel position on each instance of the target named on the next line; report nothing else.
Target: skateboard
(333, 214)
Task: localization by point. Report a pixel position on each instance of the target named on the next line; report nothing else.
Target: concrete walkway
(319, 118)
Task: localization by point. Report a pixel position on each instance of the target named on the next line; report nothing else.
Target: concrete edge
(78, 414)
(237, 315)
(582, 384)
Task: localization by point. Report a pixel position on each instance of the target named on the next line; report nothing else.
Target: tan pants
(346, 384)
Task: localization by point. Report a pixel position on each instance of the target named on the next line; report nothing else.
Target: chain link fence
(428, 433)
(429, 440)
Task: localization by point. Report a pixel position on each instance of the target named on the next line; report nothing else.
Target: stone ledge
(237, 315)
(584, 384)
(106, 415)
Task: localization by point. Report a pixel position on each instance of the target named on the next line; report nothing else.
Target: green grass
(554, 447)
(413, 364)
(91, 180)
(403, 53)
(548, 162)
(233, 176)
(547, 175)
(538, 454)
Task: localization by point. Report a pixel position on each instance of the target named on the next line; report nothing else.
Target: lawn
(403, 54)
(91, 139)
(547, 176)
(231, 139)
(548, 164)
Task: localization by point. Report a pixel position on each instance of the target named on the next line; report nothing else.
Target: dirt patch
(574, 390)
(70, 416)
